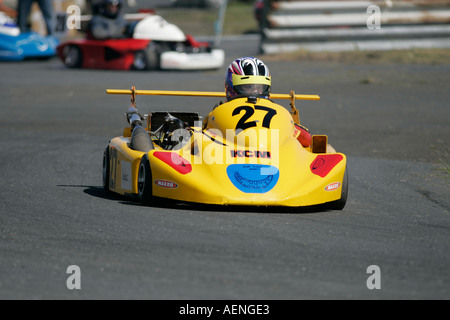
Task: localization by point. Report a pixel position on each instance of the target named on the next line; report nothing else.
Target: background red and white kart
(155, 44)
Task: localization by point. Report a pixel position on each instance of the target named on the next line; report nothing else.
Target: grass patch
(239, 19)
(446, 169)
(444, 163)
(414, 56)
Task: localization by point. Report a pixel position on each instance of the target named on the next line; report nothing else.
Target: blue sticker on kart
(253, 178)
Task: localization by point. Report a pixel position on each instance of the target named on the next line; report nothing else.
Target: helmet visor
(252, 89)
(251, 85)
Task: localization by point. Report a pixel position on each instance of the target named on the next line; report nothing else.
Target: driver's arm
(102, 29)
(133, 117)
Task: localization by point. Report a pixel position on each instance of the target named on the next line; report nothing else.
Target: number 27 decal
(243, 123)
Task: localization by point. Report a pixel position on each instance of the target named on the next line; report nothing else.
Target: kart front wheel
(148, 59)
(73, 57)
(140, 61)
(144, 183)
(153, 55)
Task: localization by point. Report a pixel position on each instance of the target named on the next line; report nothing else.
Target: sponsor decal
(166, 184)
(174, 160)
(253, 178)
(126, 175)
(250, 154)
(323, 164)
(253, 184)
(333, 186)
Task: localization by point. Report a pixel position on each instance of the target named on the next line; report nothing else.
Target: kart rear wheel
(144, 183)
(340, 204)
(106, 169)
(73, 57)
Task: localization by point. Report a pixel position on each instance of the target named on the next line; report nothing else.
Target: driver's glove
(133, 117)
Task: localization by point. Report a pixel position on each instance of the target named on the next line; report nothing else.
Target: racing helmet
(110, 8)
(247, 76)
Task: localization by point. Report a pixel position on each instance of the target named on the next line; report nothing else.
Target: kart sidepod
(30, 45)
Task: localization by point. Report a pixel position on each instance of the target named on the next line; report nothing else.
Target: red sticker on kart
(324, 163)
(333, 186)
(166, 184)
(174, 160)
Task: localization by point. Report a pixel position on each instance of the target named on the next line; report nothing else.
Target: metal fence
(354, 25)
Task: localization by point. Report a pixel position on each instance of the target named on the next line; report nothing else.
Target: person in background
(23, 12)
(108, 21)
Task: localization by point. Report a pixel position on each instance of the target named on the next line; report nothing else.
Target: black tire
(340, 204)
(140, 61)
(148, 59)
(106, 169)
(144, 183)
(153, 53)
(73, 58)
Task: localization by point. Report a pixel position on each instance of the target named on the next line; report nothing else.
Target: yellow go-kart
(244, 152)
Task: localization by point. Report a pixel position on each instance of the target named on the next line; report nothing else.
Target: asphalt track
(393, 122)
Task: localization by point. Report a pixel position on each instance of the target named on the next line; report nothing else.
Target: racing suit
(140, 139)
(102, 28)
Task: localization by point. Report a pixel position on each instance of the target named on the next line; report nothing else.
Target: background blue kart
(28, 45)
(16, 46)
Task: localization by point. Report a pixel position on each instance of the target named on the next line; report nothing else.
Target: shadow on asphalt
(99, 192)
